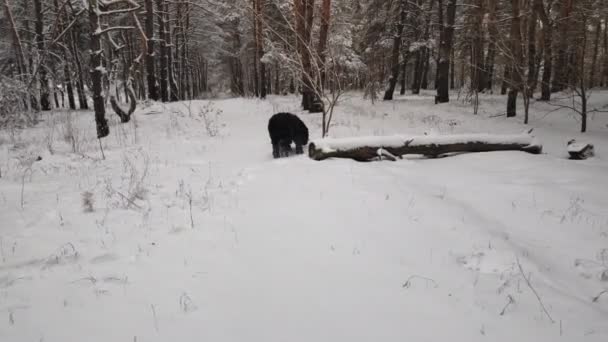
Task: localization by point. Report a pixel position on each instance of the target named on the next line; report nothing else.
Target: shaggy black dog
(285, 128)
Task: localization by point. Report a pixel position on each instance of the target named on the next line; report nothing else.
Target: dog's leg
(276, 149)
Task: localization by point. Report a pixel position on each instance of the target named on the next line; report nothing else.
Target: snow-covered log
(580, 151)
(370, 148)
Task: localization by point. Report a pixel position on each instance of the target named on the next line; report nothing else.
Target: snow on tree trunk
(162, 34)
(97, 70)
(150, 60)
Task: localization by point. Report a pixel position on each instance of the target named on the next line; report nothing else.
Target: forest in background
(96, 54)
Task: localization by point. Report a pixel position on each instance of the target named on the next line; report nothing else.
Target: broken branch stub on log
(366, 148)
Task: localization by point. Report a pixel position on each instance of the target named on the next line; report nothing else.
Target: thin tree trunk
(445, 47)
(605, 69)
(532, 80)
(596, 46)
(403, 76)
(424, 83)
(150, 60)
(388, 95)
(416, 85)
(515, 50)
(323, 33)
(452, 70)
(539, 8)
(66, 69)
(45, 103)
(259, 13)
(489, 67)
(164, 93)
(478, 72)
(17, 45)
(173, 88)
(560, 80)
(96, 71)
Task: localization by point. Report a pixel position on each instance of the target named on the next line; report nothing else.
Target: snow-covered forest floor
(189, 230)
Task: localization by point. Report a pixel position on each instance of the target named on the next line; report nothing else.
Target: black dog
(285, 128)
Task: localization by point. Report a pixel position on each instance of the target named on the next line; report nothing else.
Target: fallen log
(580, 151)
(374, 148)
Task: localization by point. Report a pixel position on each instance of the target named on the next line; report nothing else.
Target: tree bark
(478, 72)
(60, 12)
(605, 69)
(445, 47)
(372, 147)
(45, 103)
(388, 95)
(173, 88)
(515, 51)
(562, 68)
(489, 67)
(532, 80)
(97, 70)
(17, 45)
(259, 44)
(162, 34)
(403, 75)
(539, 8)
(150, 60)
(323, 34)
(596, 46)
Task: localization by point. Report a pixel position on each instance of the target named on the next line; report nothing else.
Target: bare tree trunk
(323, 33)
(515, 49)
(45, 103)
(478, 72)
(150, 62)
(532, 80)
(388, 95)
(596, 46)
(424, 83)
(491, 55)
(304, 13)
(403, 75)
(74, 50)
(17, 45)
(445, 47)
(96, 70)
(605, 69)
(173, 89)
(539, 8)
(560, 80)
(259, 43)
(162, 34)
(417, 83)
(60, 12)
(452, 71)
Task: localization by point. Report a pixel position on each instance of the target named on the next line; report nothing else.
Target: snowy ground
(192, 232)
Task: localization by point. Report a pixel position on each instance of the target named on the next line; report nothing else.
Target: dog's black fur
(285, 128)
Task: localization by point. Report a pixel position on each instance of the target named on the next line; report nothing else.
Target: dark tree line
(76, 54)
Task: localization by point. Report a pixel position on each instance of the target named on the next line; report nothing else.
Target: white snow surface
(218, 241)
